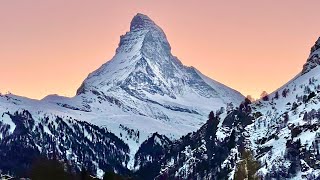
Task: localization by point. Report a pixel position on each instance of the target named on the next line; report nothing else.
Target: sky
(49, 47)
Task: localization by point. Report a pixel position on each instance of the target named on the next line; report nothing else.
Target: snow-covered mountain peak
(144, 66)
(146, 88)
(142, 31)
(313, 59)
(141, 21)
(144, 50)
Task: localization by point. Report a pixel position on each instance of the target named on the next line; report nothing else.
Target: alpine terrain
(142, 92)
(144, 115)
(277, 137)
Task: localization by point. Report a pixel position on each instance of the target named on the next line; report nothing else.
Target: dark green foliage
(232, 140)
(306, 98)
(295, 131)
(257, 114)
(52, 169)
(151, 147)
(208, 151)
(210, 135)
(244, 106)
(263, 150)
(264, 96)
(276, 95)
(240, 173)
(286, 118)
(149, 171)
(311, 95)
(49, 170)
(84, 174)
(247, 167)
(110, 175)
(212, 125)
(205, 162)
(19, 149)
(247, 101)
(294, 106)
(285, 92)
(293, 155)
(305, 116)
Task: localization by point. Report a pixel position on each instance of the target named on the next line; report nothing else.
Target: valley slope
(277, 136)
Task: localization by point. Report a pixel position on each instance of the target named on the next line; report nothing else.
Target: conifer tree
(247, 167)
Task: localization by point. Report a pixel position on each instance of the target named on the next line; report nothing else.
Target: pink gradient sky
(49, 47)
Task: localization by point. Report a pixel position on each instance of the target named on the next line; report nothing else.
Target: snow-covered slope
(143, 89)
(281, 130)
(290, 116)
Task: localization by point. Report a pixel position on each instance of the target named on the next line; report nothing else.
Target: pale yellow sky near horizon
(49, 47)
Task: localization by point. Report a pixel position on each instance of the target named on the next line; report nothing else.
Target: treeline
(53, 169)
(68, 140)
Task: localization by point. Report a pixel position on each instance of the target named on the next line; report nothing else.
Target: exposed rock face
(314, 58)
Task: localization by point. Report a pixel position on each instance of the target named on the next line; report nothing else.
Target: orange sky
(49, 47)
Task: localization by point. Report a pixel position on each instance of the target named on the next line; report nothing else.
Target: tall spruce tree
(247, 167)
